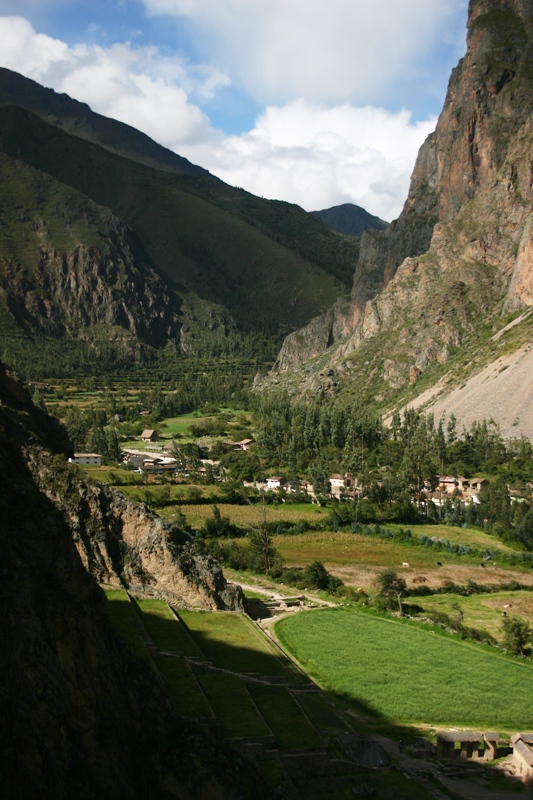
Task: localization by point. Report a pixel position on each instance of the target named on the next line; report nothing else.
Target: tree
(516, 634)
(391, 587)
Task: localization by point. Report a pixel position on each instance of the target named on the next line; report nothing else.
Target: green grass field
(481, 610)
(404, 674)
(285, 718)
(230, 641)
(184, 688)
(233, 707)
(164, 628)
(468, 536)
(320, 713)
(126, 622)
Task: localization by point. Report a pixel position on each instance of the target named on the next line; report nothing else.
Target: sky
(317, 102)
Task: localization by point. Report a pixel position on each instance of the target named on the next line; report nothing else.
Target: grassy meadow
(392, 670)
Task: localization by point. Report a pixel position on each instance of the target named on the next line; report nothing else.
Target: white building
(86, 458)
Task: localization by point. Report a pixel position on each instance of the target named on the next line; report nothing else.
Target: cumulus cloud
(134, 85)
(342, 50)
(318, 157)
(310, 153)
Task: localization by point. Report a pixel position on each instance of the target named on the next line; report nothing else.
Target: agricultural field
(205, 660)
(378, 675)
(232, 642)
(250, 515)
(357, 560)
(391, 671)
(123, 617)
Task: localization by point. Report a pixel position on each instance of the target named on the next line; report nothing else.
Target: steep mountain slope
(431, 292)
(81, 716)
(206, 257)
(77, 118)
(350, 219)
(197, 245)
(68, 265)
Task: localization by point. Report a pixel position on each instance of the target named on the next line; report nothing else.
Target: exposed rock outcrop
(461, 253)
(80, 267)
(82, 718)
(125, 543)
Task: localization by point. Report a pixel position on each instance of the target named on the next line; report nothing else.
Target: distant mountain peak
(350, 219)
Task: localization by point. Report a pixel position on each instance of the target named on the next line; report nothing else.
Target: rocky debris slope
(81, 717)
(460, 257)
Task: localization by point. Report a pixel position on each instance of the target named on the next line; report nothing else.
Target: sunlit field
(409, 675)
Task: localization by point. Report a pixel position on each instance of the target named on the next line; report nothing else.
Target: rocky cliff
(81, 718)
(68, 265)
(442, 280)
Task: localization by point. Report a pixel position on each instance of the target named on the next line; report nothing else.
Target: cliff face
(125, 544)
(460, 254)
(80, 717)
(68, 265)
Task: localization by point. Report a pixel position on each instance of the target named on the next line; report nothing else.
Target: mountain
(86, 718)
(114, 238)
(350, 219)
(78, 119)
(443, 293)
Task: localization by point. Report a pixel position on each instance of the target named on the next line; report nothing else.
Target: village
(159, 458)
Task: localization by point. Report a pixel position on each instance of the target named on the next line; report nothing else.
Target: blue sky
(318, 102)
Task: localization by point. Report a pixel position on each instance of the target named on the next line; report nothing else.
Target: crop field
(235, 712)
(468, 536)
(253, 514)
(219, 695)
(391, 670)
(165, 628)
(320, 713)
(340, 549)
(357, 560)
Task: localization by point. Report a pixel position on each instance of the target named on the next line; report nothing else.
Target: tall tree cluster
(397, 465)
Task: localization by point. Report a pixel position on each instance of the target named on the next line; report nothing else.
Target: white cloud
(342, 50)
(135, 85)
(318, 157)
(308, 153)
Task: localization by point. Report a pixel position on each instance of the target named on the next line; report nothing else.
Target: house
(245, 444)
(274, 483)
(477, 484)
(148, 435)
(86, 458)
(522, 744)
(340, 482)
(468, 744)
(449, 483)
